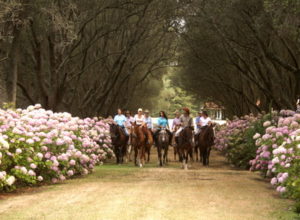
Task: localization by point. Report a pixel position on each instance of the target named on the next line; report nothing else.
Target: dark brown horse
(119, 142)
(139, 145)
(205, 142)
(197, 147)
(185, 145)
(163, 141)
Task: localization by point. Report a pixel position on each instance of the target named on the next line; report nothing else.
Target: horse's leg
(149, 151)
(143, 155)
(208, 154)
(188, 154)
(159, 155)
(136, 151)
(204, 156)
(185, 159)
(166, 153)
(191, 154)
(140, 155)
(164, 156)
(174, 148)
(201, 155)
(196, 152)
(128, 153)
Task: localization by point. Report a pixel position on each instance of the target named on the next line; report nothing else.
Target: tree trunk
(12, 74)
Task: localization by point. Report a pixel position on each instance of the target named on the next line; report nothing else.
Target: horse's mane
(138, 130)
(185, 134)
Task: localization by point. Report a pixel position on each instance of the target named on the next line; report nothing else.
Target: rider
(139, 118)
(185, 121)
(205, 120)
(162, 122)
(176, 121)
(120, 120)
(198, 122)
(198, 125)
(129, 121)
(148, 120)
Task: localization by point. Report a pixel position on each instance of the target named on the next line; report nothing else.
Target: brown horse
(205, 142)
(149, 141)
(185, 145)
(139, 145)
(119, 141)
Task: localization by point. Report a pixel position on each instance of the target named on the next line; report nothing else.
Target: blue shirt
(148, 121)
(120, 120)
(198, 121)
(163, 122)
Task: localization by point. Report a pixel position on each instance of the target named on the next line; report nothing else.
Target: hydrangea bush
(42, 146)
(235, 139)
(276, 140)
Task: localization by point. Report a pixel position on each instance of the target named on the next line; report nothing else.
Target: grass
(128, 192)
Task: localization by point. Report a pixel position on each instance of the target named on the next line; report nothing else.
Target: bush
(41, 146)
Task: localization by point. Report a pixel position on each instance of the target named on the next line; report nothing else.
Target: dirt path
(126, 192)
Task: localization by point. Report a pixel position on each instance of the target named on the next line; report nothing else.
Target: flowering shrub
(278, 155)
(235, 140)
(38, 145)
(276, 141)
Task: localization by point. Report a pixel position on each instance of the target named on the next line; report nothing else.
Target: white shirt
(204, 121)
(139, 120)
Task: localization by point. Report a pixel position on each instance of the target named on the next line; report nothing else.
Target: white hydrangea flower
(10, 180)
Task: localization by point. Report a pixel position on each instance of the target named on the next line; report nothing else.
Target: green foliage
(173, 98)
(9, 105)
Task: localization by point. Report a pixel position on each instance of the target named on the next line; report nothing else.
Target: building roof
(212, 106)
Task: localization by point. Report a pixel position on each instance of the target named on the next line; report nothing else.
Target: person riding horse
(175, 126)
(139, 118)
(128, 124)
(184, 138)
(120, 120)
(185, 121)
(176, 122)
(162, 122)
(148, 120)
(119, 136)
(202, 121)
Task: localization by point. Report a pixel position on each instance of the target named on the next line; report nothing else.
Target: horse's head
(137, 134)
(113, 132)
(163, 136)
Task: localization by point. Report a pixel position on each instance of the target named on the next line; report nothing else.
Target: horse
(163, 141)
(197, 148)
(149, 141)
(174, 142)
(119, 142)
(139, 145)
(185, 145)
(205, 142)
